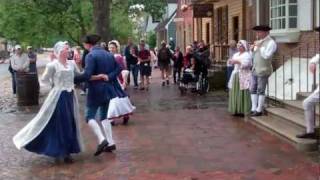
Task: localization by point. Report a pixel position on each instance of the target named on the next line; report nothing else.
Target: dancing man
(98, 62)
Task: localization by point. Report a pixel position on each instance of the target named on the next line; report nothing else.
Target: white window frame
(286, 26)
(286, 35)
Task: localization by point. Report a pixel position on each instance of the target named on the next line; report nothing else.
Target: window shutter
(217, 25)
(225, 25)
(305, 11)
(264, 7)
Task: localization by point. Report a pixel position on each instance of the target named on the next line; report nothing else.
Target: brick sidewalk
(170, 137)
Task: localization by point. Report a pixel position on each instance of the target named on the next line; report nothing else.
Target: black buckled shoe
(110, 148)
(68, 160)
(101, 147)
(307, 136)
(257, 114)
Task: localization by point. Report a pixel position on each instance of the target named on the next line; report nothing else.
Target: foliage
(155, 8)
(121, 26)
(152, 39)
(43, 22)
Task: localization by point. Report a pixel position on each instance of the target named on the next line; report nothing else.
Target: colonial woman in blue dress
(54, 131)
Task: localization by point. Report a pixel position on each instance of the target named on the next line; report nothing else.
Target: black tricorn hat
(262, 28)
(317, 29)
(91, 39)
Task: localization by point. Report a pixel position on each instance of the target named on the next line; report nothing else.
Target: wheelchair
(198, 84)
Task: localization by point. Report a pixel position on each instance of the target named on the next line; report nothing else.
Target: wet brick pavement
(170, 137)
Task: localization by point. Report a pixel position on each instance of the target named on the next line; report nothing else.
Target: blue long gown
(59, 137)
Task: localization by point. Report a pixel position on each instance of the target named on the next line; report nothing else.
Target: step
(302, 95)
(290, 116)
(285, 131)
(296, 105)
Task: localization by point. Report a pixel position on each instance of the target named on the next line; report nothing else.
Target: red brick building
(184, 24)
(292, 21)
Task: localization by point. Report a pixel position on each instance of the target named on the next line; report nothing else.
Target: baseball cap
(17, 46)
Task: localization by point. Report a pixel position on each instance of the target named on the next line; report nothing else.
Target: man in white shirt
(20, 61)
(262, 52)
(310, 102)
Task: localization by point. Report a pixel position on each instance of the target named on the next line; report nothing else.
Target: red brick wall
(187, 16)
(307, 47)
(308, 41)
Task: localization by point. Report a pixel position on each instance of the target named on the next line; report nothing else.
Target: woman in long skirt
(126, 106)
(54, 131)
(239, 83)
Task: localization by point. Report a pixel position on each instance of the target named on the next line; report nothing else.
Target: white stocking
(96, 129)
(254, 102)
(260, 103)
(106, 124)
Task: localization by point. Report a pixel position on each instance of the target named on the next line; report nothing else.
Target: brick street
(170, 137)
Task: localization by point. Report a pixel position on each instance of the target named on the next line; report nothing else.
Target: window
(207, 33)
(283, 14)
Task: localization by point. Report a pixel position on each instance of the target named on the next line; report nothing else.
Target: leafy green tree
(43, 22)
(156, 8)
(152, 39)
(121, 26)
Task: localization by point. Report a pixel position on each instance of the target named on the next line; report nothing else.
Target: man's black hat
(262, 28)
(91, 39)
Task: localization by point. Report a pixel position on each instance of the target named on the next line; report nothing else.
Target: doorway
(235, 28)
(208, 33)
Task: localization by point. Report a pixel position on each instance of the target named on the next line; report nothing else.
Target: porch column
(258, 12)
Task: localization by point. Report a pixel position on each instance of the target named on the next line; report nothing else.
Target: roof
(162, 25)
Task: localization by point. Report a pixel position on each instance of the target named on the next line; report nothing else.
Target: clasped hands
(232, 61)
(103, 77)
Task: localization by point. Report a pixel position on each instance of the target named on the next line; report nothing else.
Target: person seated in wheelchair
(191, 73)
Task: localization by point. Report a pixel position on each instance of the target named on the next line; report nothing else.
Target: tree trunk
(101, 15)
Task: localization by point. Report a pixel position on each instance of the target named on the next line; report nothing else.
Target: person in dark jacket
(100, 92)
(178, 64)
(131, 54)
(164, 56)
(202, 55)
(84, 85)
